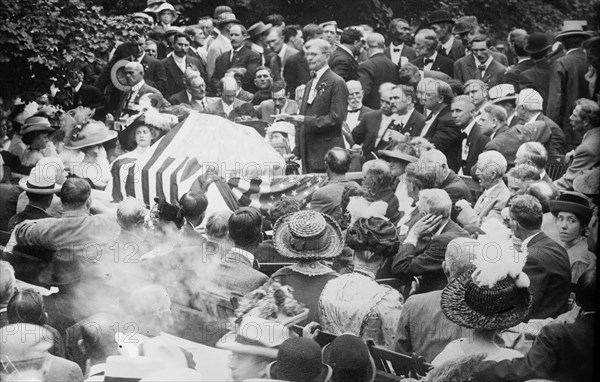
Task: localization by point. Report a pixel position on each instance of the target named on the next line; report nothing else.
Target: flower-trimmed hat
(574, 202)
(90, 134)
(158, 123)
(35, 124)
(308, 235)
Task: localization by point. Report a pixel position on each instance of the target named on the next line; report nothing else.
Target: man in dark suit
(426, 44)
(402, 101)
(536, 77)
(134, 74)
(241, 56)
(400, 32)
(322, 111)
(440, 129)
(472, 140)
(234, 275)
(567, 82)
(228, 102)
(441, 23)
(176, 64)
(282, 52)
(377, 70)
(547, 264)
(194, 94)
(518, 39)
(279, 103)
(343, 58)
(80, 94)
(480, 64)
(423, 251)
(561, 351)
(295, 70)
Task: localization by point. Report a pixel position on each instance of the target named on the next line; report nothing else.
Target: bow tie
(353, 111)
(427, 61)
(464, 135)
(313, 74)
(481, 68)
(397, 50)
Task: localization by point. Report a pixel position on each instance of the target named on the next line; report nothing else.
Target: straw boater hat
(152, 5)
(117, 75)
(226, 18)
(42, 178)
(538, 42)
(35, 124)
(255, 336)
(574, 202)
(258, 28)
(397, 154)
(573, 28)
(502, 92)
(90, 134)
(307, 235)
(299, 359)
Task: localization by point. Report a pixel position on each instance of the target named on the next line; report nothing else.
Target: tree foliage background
(40, 39)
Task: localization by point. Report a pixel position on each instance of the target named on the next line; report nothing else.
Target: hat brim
(458, 29)
(262, 29)
(273, 372)
(42, 191)
(573, 33)
(326, 356)
(557, 206)
(126, 136)
(440, 21)
(455, 307)
(223, 22)
(117, 76)
(506, 98)
(282, 236)
(533, 51)
(80, 145)
(228, 342)
(398, 155)
(35, 129)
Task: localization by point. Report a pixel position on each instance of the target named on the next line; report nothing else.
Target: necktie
(442, 51)
(429, 116)
(353, 111)
(427, 61)
(481, 71)
(202, 104)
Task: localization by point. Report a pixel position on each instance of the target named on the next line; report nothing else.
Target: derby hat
(350, 353)
(502, 92)
(482, 307)
(220, 9)
(90, 134)
(299, 359)
(438, 17)
(255, 336)
(117, 75)
(307, 235)
(538, 42)
(226, 18)
(43, 177)
(36, 123)
(574, 202)
(258, 28)
(465, 24)
(573, 28)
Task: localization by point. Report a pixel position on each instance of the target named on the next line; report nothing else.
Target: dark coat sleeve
(338, 109)
(409, 262)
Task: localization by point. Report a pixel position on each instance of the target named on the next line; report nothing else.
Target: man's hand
(288, 117)
(426, 225)
(569, 156)
(290, 157)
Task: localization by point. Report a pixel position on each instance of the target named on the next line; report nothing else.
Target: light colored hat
(143, 15)
(258, 28)
(573, 28)
(42, 178)
(501, 93)
(255, 336)
(23, 342)
(531, 99)
(117, 75)
(397, 154)
(226, 18)
(173, 30)
(166, 7)
(281, 127)
(308, 235)
(152, 5)
(36, 123)
(90, 134)
(174, 374)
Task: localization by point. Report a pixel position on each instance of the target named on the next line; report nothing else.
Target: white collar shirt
(313, 87)
(430, 64)
(448, 45)
(180, 61)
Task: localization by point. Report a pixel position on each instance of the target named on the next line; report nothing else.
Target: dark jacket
(537, 78)
(245, 58)
(372, 73)
(322, 127)
(343, 64)
(446, 136)
(465, 69)
(29, 213)
(441, 64)
(407, 51)
(175, 75)
(233, 275)
(513, 73)
(365, 133)
(457, 51)
(476, 142)
(414, 125)
(295, 73)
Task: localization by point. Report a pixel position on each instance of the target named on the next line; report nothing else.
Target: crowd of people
(457, 222)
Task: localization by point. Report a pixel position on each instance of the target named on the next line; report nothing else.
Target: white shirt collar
(433, 57)
(281, 53)
(393, 46)
(526, 241)
(487, 191)
(486, 63)
(523, 59)
(138, 86)
(571, 50)
(76, 89)
(542, 174)
(246, 254)
(448, 44)
(535, 117)
(320, 72)
(467, 130)
(257, 48)
(140, 58)
(178, 59)
(404, 118)
(346, 49)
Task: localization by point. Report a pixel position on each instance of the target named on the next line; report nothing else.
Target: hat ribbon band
(50, 187)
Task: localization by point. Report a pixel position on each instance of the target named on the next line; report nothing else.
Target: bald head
(338, 160)
(375, 42)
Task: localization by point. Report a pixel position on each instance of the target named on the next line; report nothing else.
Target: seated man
(228, 102)
(279, 103)
(328, 198)
(534, 154)
(194, 94)
(263, 79)
(7, 289)
(429, 337)
(423, 250)
(547, 264)
(234, 275)
(520, 177)
(193, 206)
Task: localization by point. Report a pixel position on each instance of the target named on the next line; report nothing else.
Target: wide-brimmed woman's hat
(307, 235)
(43, 177)
(299, 359)
(395, 153)
(158, 123)
(482, 307)
(35, 124)
(538, 42)
(574, 202)
(90, 134)
(572, 28)
(255, 336)
(374, 234)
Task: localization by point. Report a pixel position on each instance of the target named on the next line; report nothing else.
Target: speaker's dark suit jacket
(441, 64)
(549, 270)
(372, 73)
(322, 127)
(175, 75)
(446, 136)
(343, 64)
(561, 352)
(465, 69)
(245, 58)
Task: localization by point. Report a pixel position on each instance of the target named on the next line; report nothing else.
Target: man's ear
(81, 346)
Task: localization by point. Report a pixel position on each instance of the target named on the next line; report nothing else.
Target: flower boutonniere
(321, 88)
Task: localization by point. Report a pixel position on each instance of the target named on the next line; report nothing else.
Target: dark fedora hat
(482, 307)
(574, 202)
(538, 42)
(350, 354)
(437, 17)
(299, 359)
(258, 29)
(465, 24)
